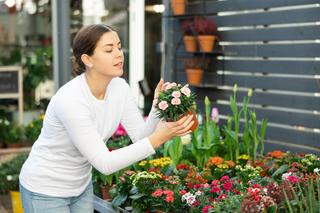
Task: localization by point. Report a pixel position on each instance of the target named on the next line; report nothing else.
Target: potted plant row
(202, 31)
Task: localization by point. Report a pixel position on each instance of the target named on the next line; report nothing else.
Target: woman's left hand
(159, 88)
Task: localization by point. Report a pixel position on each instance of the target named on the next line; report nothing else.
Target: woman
(83, 113)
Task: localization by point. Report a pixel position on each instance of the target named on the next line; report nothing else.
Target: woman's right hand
(167, 130)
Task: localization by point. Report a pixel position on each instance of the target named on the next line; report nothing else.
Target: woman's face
(107, 58)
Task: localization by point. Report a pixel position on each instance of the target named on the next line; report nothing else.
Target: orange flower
(276, 154)
(230, 163)
(215, 161)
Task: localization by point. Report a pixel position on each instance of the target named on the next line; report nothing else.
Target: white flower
(286, 175)
(198, 193)
(191, 200)
(186, 139)
(9, 178)
(317, 170)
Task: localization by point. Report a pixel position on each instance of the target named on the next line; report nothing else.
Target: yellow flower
(243, 157)
(41, 117)
(143, 163)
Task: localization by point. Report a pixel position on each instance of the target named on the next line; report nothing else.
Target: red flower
(215, 189)
(157, 193)
(182, 166)
(196, 203)
(224, 178)
(227, 186)
(222, 196)
(182, 192)
(206, 209)
(120, 131)
(169, 199)
(168, 192)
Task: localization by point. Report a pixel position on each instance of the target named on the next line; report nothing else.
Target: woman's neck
(97, 84)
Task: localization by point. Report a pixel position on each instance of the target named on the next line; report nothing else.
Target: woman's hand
(167, 130)
(159, 88)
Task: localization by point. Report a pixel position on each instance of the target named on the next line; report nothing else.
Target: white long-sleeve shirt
(71, 140)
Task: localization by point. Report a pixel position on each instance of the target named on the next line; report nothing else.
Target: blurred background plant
(33, 129)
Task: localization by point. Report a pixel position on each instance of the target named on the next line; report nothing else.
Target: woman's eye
(108, 51)
(120, 48)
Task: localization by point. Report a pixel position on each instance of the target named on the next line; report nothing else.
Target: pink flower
(227, 186)
(163, 105)
(293, 179)
(169, 198)
(215, 189)
(175, 101)
(215, 114)
(206, 185)
(186, 91)
(206, 209)
(222, 196)
(182, 192)
(171, 85)
(176, 94)
(157, 193)
(224, 178)
(120, 131)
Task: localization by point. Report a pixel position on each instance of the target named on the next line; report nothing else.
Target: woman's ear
(86, 60)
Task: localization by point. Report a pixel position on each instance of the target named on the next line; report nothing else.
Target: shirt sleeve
(85, 137)
(132, 119)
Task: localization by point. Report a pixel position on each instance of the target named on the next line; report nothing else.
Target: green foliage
(173, 149)
(9, 174)
(37, 69)
(4, 129)
(33, 129)
(306, 199)
(15, 135)
(206, 139)
(252, 136)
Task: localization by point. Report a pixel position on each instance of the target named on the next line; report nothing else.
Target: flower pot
(105, 192)
(178, 7)
(206, 42)
(194, 76)
(190, 43)
(16, 202)
(194, 118)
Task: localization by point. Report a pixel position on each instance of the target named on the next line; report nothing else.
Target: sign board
(11, 86)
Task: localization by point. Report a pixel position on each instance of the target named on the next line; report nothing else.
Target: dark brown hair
(85, 42)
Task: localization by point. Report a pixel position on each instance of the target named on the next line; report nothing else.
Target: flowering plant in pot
(207, 31)
(194, 68)
(175, 101)
(189, 39)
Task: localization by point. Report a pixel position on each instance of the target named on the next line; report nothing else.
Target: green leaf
(282, 169)
(136, 196)
(119, 200)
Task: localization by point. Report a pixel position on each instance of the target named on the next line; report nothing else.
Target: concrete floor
(5, 204)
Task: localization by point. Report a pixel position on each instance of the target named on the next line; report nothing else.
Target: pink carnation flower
(186, 91)
(163, 105)
(176, 94)
(175, 101)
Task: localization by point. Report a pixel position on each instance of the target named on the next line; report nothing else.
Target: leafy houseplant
(189, 39)
(4, 129)
(207, 31)
(174, 102)
(15, 136)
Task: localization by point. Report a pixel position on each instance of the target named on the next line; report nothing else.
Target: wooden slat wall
(271, 46)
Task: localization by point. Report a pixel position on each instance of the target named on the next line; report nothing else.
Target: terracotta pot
(14, 145)
(194, 76)
(194, 118)
(105, 192)
(178, 7)
(190, 43)
(206, 42)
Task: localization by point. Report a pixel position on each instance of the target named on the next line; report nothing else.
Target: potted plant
(14, 136)
(9, 180)
(207, 31)
(194, 69)
(174, 102)
(178, 7)
(189, 39)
